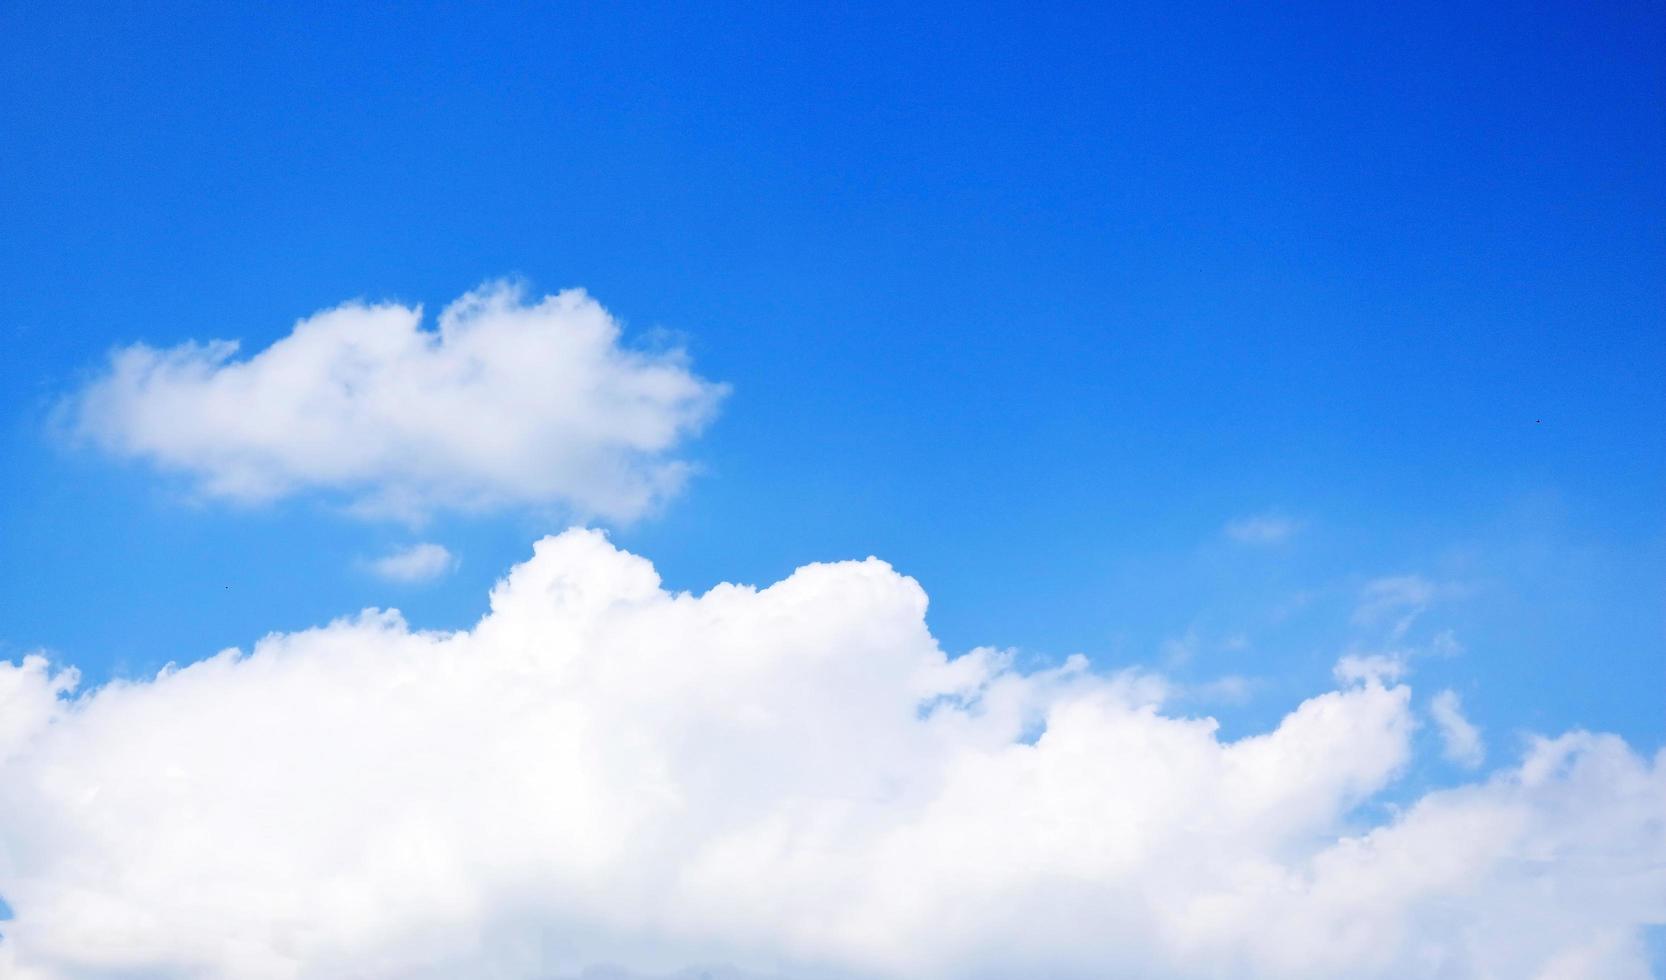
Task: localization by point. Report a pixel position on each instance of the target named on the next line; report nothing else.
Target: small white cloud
(1371, 668)
(417, 563)
(1261, 529)
(1460, 739)
(1445, 644)
(507, 403)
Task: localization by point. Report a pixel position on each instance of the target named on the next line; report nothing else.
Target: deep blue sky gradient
(1030, 300)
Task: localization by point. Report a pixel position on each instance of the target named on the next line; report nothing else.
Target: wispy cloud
(1181, 650)
(1444, 644)
(417, 563)
(1262, 529)
(507, 403)
(1398, 601)
(1460, 740)
(1177, 651)
(1226, 689)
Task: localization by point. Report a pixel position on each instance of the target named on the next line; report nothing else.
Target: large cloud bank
(509, 402)
(793, 780)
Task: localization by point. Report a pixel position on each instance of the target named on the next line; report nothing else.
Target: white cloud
(1398, 601)
(1445, 644)
(507, 403)
(1460, 740)
(1391, 594)
(417, 563)
(1261, 529)
(1381, 668)
(795, 781)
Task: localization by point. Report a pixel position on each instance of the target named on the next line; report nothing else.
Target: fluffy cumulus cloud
(795, 781)
(507, 402)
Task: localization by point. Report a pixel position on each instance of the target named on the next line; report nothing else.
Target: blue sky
(1216, 341)
(1031, 302)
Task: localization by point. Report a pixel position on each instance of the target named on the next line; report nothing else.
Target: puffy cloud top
(795, 780)
(509, 402)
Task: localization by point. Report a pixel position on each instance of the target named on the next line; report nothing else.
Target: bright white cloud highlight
(1460, 740)
(417, 563)
(508, 403)
(794, 780)
(1261, 529)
